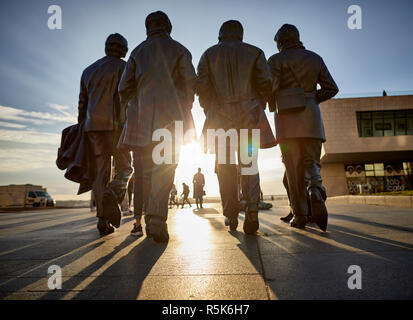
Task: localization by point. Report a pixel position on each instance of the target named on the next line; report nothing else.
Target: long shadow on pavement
(313, 265)
(124, 278)
(33, 270)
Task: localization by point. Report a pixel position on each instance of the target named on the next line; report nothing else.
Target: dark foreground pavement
(204, 261)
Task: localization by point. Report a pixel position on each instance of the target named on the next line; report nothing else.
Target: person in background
(172, 198)
(199, 183)
(185, 193)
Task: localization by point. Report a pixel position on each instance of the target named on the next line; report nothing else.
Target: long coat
(74, 156)
(234, 83)
(310, 70)
(98, 98)
(199, 182)
(157, 85)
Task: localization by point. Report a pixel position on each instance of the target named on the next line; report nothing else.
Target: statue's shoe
(158, 230)
(251, 223)
(104, 227)
(111, 208)
(232, 223)
(287, 218)
(299, 222)
(319, 213)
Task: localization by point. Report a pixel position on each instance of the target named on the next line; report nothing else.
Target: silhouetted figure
(234, 83)
(158, 81)
(185, 194)
(99, 109)
(299, 126)
(199, 183)
(384, 93)
(172, 197)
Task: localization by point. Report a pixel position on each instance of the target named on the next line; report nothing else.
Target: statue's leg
(316, 191)
(292, 156)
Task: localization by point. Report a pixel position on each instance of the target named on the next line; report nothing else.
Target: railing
(373, 94)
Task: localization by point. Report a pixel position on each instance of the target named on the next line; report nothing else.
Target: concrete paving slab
(222, 287)
(203, 260)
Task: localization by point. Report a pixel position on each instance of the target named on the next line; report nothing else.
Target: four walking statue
(122, 105)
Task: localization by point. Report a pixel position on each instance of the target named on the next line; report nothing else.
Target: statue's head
(116, 45)
(158, 23)
(286, 35)
(231, 29)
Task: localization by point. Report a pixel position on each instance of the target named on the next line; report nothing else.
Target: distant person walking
(199, 183)
(172, 197)
(299, 125)
(185, 193)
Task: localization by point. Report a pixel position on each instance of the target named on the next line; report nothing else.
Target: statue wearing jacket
(158, 84)
(300, 132)
(234, 84)
(99, 110)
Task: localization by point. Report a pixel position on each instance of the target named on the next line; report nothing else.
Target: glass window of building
(365, 124)
(388, 123)
(379, 169)
(409, 121)
(384, 123)
(408, 168)
(369, 168)
(377, 124)
(400, 122)
(379, 177)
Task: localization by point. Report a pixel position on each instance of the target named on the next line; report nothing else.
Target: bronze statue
(234, 83)
(159, 76)
(99, 110)
(299, 126)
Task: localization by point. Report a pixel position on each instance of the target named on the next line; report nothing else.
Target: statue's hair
(116, 45)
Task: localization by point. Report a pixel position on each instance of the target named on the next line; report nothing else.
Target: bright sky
(40, 68)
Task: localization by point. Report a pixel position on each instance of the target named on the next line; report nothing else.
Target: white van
(27, 195)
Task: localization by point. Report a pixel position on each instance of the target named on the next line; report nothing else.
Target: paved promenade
(203, 260)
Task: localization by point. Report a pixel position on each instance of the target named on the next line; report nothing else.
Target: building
(369, 147)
